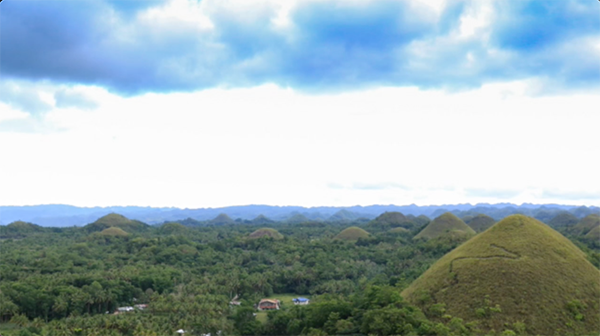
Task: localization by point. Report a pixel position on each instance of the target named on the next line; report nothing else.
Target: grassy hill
(261, 219)
(266, 232)
(518, 271)
(399, 230)
(113, 231)
(222, 219)
(480, 222)
(19, 229)
(562, 219)
(297, 218)
(587, 224)
(594, 233)
(391, 219)
(116, 220)
(446, 223)
(352, 233)
(173, 229)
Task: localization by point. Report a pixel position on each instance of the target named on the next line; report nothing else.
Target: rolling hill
(446, 223)
(352, 233)
(518, 271)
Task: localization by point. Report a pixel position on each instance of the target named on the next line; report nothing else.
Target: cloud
(66, 98)
(132, 47)
(492, 193)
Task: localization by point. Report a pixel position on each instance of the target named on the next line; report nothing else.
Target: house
(268, 304)
(301, 301)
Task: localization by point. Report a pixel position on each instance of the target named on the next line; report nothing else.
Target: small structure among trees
(268, 304)
(301, 301)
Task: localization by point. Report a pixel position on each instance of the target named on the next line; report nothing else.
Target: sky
(212, 103)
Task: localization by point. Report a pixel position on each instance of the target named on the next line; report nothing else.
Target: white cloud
(276, 146)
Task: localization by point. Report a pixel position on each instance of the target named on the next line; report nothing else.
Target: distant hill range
(67, 215)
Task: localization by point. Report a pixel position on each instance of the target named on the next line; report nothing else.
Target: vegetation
(63, 281)
(266, 232)
(352, 234)
(587, 224)
(518, 271)
(563, 218)
(445, 224)
(480, 222)
(113, 231)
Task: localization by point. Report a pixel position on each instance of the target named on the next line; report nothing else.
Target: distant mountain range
(59, 215)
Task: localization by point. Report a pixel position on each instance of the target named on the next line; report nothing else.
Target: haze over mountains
(67, 215)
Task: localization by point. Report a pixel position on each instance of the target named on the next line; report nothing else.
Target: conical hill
(594, 233)
(352, 233)
(447, 223)
(116, 220)
(480, 222)
(266, 232)
(562, 219)
(587, 224)
(533, 274)
(113, 231)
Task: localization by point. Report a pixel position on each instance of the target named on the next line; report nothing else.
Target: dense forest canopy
(71, 281)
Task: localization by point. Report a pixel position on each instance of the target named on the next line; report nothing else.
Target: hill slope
(116, 220)
(480, 222)
(563, 218)
(447, 223)
(266, 232)
(534, 274)
(587, 224)
(352, 233)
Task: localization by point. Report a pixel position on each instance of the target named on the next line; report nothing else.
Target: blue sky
(302, 102)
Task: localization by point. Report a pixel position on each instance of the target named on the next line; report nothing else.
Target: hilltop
(261, 219)
(480, 222)
(587, 224)
(391, 219)
(562, 219)
(67, 216)
(221, 219)
(446, 223)
(116, 220)
(113, 231)
(266, 232)
(352, 233)
(518, 271)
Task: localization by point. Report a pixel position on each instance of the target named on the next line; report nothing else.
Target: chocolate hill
(352, 233)
(446, 224)
(266, 232)
(518, 271)
(480, 222)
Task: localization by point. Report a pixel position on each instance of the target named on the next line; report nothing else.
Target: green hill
(399, 230)
(173, 229)
(261, 219)
(222, 219)
(113, 231)
(587, 224)
(594, 233)
(297, 219)
(480, 222)
(24, 227)
(563, 219)
(343, 216)
(116, 220)
(391, 219)
(518, 271)
(352, 233)
(447, 223)
(266, 232)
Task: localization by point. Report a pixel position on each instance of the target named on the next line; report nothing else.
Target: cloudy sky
(208, 103)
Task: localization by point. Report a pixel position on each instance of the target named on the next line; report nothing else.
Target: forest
(182, 277)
